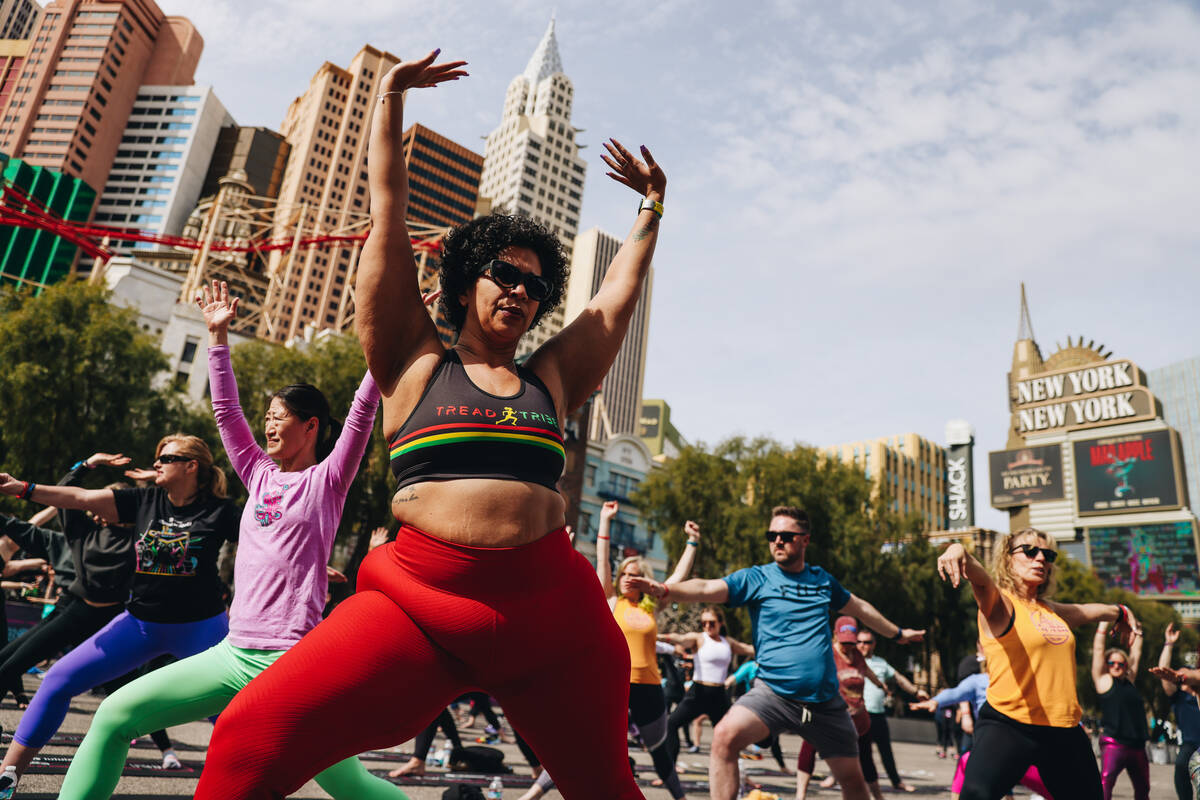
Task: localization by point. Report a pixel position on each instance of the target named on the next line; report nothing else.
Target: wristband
(666, 591)
(81, 463)
(899, 634)
(605, 538)
(693, 542)
(27, 492)
(652, 205)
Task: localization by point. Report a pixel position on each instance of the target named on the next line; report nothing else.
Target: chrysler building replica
(531, 164)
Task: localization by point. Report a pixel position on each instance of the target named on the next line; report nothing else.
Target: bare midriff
(481, 512)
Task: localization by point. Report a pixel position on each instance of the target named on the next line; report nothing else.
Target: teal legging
(185, 691)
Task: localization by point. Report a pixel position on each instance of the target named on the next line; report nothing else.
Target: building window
(189, 350)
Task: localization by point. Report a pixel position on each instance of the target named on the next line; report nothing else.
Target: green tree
(78, 378)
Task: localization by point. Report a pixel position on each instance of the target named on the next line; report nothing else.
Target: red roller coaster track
(19, 210)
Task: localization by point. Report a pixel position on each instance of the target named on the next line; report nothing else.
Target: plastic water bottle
(431, 758)
(495, 790)
(444, 756)
(741, 791)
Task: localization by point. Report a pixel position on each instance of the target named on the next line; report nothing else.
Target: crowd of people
(462, 603)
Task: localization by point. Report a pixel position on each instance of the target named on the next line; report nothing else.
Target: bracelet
(81, 463)
(27, 492)
(693, 542)
(652, 205)
(605, 538)
(666, 591)
(382, 95)
(1122, 614)
(899, 634)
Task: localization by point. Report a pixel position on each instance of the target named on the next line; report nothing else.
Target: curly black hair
(468, 247)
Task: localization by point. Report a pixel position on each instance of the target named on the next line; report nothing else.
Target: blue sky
(856, 189)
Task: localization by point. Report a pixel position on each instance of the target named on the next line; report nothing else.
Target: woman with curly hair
(482, 570)
(1032, 712)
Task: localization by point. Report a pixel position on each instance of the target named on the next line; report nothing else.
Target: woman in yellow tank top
(1032, 712)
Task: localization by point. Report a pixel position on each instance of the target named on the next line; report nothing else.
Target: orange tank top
(641, 634)
(1032, 667)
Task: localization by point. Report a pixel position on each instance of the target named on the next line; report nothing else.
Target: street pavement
(918, 766)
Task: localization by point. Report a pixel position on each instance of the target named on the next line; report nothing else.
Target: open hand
(647, 586)
(1172, 633)
(422, 73)
(107, 460)
(909, 635)
(335, 576)
(923, 705)
(952, 564)
(379, 537)
(10, 485)
(1126, 628)
(646, 178)
(216, 306)
(141, 474)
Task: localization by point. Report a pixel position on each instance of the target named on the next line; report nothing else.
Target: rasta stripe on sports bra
(468, 433)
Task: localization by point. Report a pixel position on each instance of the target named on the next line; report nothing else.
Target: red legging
(430, 621)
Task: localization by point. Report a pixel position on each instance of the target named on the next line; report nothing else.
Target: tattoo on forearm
(406, 496)
(646, 230)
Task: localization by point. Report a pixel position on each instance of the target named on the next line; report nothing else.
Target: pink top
(290, 518)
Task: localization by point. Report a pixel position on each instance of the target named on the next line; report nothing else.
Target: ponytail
(307, 402)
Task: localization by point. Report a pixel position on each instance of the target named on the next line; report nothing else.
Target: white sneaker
(170, 761)
(8, 783)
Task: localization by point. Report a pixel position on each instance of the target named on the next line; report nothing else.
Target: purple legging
(125, 643)
(1116, 757)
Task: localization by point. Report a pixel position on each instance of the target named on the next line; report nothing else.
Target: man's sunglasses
(786, 536)
(1116, 663)
(1031, 552)
(508, 276)
(172, 458)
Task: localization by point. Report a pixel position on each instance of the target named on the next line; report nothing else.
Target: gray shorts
(826, 726)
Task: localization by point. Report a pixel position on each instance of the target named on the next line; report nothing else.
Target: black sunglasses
(508, 276)
(172, 458)
(1031, 552)
(786, 536)
(1116, 663)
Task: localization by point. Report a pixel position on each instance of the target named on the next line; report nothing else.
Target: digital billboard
(1157, 559)
(1027, 475)
(1118, 474)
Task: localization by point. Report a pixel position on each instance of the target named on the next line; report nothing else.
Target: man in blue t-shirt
(1187, 716)
(796, 689)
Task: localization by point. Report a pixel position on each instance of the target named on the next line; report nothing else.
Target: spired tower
(531, 163)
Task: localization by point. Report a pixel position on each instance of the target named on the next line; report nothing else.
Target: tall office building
(531, 163)
(618, 408)
(18, 18)
(13, 53)
(910, 468)
(324, 189)
(87, 62)
(443, 178)
(259, 153)
(164, 156)
(1178, 387)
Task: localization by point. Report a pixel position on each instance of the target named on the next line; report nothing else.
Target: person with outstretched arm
(790, 604)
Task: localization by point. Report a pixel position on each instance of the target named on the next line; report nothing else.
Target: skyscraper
(443, 178)
(909, 468)
(531, 163)
(620, 403)
(1178, 387)
(324, 189)
(17, 18)
(165, 152)
(260, 153)
(86, 64)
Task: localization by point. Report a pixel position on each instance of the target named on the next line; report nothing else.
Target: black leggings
(482, 704)
(881, 735)
(700, 699)
(1183, 781)
(1004, 749)
(648, 711)
(424, 739)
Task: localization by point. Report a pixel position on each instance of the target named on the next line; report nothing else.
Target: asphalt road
(918, 766)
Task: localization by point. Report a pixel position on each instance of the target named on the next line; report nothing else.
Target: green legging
(186, 691)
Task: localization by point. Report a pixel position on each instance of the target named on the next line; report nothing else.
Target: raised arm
(98, 501)
(347, 453)
(682, 639)
(1164, 658)
(1079, 614)
(603, 537)
(392, 325)
(1100, 677)
(244, 453)
(870, 616)
(740, 648)
(954, 564)
(1135, 655)
(688, 558)
(576, 360)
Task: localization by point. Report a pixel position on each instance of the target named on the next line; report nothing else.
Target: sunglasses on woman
(1031, 552)
(172, 458)
(508, 276)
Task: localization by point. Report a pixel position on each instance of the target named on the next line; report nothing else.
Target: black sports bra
(458, 430)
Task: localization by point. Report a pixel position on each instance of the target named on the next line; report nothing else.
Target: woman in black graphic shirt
(175, 606)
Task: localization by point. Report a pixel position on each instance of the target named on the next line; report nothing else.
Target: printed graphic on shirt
(268, 510)
(509, 416)
(509, 426)
(637, 621)
(165, 551)
(1052, 629)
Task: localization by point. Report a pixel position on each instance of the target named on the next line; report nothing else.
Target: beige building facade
(80, 81)
(909, 468)
(531, 163)
(323, 191)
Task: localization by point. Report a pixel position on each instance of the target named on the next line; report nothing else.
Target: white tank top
(711, 662)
